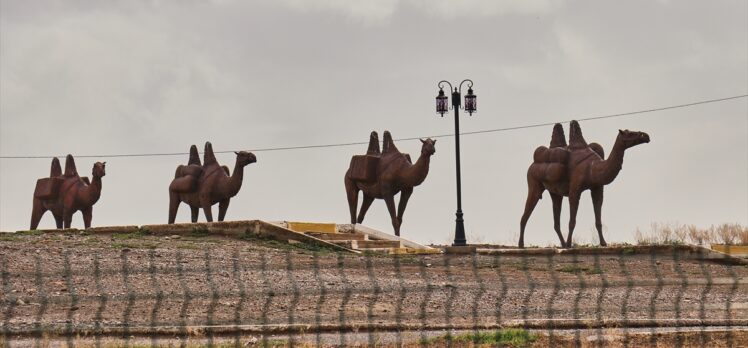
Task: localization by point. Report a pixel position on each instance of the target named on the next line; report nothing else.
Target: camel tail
(70, 169)
(194, 156)
(55, 169)
(209, 157)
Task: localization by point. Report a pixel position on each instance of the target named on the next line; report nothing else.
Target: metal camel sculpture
(202, 186)
(569, 170)
(64, 194)
(383, 175)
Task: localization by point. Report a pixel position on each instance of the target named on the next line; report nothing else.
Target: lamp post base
(459, 230)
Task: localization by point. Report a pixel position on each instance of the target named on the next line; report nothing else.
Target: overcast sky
(112, 77)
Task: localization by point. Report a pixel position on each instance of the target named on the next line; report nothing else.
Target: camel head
(99, 169)
(428, 148)
(244, 158)
(632, 138)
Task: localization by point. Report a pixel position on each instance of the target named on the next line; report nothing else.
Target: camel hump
(558, 138)
(193, 170)
(598, 149)
(540, 155)
(194, 156)
(209, 157)
(388, 144)
(70, 169)
(373, 144)
(554, 155)
(576, 139)
(55, 169)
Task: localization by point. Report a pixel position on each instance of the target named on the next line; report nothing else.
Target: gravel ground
(82, 284)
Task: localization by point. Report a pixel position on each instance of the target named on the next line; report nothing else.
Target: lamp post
(442, 106)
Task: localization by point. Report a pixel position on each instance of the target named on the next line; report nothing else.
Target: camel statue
(202, 186)
(383, 175)
(569, 170)
(64, 194)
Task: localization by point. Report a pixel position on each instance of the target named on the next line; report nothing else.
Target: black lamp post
(442, 107)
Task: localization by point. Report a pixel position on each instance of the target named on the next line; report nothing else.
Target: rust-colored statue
(201, 186)
(383, 175)
(64, 194)
(569, 170)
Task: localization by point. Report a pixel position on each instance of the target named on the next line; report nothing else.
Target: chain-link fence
(89, 290)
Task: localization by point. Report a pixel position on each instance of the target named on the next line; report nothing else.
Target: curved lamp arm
(441, 85)
(469, 81)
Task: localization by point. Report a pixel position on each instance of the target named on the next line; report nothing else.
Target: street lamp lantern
(442, 105)
(471, 102)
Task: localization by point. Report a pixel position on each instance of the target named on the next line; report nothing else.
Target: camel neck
(92, 192)
(606, 171)
(235, 181)
(416, 174)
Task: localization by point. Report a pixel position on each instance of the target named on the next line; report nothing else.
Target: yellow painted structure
(319, 227)
(733, 250)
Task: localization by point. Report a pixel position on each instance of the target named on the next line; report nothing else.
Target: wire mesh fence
(82, 288)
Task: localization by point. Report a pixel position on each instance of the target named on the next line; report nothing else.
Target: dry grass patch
(679, 234)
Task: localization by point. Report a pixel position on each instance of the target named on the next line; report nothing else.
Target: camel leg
(597, 203)
(352, 192)
(389, 198)
(364, 207)
(37, 211)
(573, 206)
(173, 206)
(205, 204)
(404, 197)
(222, 207)
(87, 214)
(195, 212)
(557, 200)
(67, 217)
(534, 194)
(58, 220)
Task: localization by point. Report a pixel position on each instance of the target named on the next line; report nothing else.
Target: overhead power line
(495, 130)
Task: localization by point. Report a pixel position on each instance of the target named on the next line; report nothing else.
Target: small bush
(199, 232)
(130, 235)
(579, 269)
(676, 234)
(30, 233)
(503, 338)
(9, 237)
(728, 233)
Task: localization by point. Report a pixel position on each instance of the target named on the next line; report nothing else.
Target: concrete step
(378, 244)
(402, 251)
(337, 236)
(350, 244)
(371, 245)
